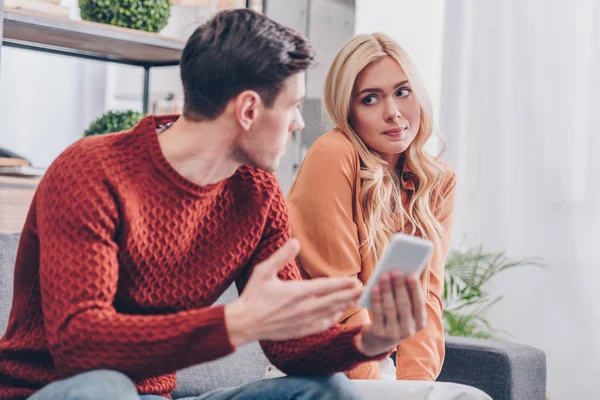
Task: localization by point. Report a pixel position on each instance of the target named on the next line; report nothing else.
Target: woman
(369, 178)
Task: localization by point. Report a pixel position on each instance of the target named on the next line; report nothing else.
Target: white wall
(46, 102)
(31, 87)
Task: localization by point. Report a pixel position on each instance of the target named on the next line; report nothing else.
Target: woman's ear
(248, 107)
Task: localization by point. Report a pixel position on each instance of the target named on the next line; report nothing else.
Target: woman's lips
(396, 132)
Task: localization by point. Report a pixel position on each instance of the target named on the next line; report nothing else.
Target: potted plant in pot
(145, 15)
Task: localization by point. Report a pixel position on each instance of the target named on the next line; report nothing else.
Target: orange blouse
(326, 217)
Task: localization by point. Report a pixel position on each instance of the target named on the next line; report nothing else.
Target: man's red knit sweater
(121, 259)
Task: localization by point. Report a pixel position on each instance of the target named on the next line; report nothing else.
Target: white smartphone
(405, 253)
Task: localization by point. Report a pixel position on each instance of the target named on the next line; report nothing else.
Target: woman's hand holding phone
(398, 309)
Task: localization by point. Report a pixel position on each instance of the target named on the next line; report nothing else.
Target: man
(131, 237)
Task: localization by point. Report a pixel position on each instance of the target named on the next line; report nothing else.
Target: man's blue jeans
(112, 385)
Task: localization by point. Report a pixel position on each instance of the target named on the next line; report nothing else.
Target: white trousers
(388, 388)
(417, 390)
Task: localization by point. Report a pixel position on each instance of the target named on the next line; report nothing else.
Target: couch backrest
(246, 365)
(8, 252)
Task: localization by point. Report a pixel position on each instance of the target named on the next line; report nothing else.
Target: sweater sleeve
(421, 357)
(321, 207)
(77, 221)
(321, 211)
(331, 351)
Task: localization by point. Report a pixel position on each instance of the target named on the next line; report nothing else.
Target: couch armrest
(504, 370)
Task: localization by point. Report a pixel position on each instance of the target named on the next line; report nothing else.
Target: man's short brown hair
(238, 50)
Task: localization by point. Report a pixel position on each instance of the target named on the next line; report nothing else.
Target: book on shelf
(56, 2)
(22, 182)
(38, 6)
(11, 162)
(22, 170)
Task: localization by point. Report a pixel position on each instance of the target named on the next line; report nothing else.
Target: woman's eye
(403, 92)
(369, 100)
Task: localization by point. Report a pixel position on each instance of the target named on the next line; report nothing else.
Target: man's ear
(248, 107)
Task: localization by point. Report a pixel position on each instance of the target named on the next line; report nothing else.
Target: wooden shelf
(89, 40)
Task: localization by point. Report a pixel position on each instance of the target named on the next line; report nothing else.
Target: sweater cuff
(211, 338)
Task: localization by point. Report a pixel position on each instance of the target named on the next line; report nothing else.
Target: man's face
(263, 145)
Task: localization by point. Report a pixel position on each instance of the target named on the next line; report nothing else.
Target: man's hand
(272, 309)
(398, 308)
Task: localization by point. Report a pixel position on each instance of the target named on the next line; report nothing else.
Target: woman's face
(384, 111)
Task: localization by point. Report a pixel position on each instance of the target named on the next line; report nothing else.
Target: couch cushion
(9, 242)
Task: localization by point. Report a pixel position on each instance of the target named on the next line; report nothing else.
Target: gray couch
(503, 370)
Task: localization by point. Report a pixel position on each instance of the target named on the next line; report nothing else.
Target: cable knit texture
(121, 258)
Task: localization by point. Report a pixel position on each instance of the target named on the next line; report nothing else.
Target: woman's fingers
(377, 310)
(390, 309)
(418, 302)
(398, 306)
(406, 322)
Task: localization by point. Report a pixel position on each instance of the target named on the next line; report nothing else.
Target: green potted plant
(466, 300)
(114, 121)
(145, 15)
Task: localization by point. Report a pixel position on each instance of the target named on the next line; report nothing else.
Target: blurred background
(515, 96)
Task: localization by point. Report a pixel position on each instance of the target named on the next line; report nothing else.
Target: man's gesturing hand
(272, 309)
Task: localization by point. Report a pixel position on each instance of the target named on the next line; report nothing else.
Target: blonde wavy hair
(381, 195)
